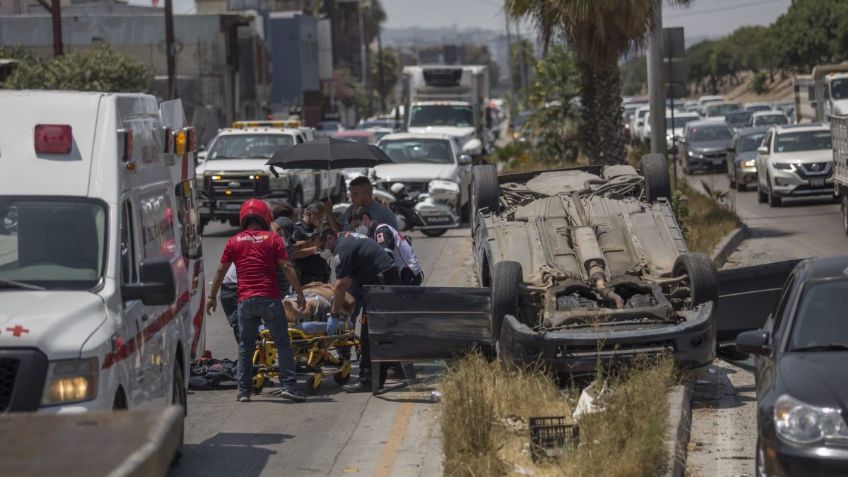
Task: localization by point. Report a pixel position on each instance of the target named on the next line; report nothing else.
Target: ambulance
(101, 272)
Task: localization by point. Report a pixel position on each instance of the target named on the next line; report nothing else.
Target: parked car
(742, 157)
(795, 160)
(768, 118)
(718, 110)
(738, 119)
(754, 107)
(802, 394)
(704, 145)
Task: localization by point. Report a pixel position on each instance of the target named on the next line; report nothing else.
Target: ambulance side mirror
(157, 286)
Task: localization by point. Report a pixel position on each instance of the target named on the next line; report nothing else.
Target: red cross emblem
(17, 330)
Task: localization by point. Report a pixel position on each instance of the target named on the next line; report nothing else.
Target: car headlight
(803, 423)
(784, 166)
(750, 163)
(695, 155)
(69, 381)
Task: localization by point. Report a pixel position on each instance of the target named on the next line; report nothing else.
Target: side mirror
(201, 156)
(762, 150)
(464, 159)
(753, 342)
(157, 286)
(473, 147)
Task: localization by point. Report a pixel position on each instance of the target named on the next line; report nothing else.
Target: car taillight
(53, 139)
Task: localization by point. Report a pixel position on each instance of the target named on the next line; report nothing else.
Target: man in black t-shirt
(311, 266)
(359, 261)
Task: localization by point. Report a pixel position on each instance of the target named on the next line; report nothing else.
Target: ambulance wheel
(120, 402)
(433, 232)
(178, 398)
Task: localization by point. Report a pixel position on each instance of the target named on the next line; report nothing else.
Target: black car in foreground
(802, 385)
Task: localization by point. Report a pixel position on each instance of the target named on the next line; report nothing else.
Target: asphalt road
(724, 424)
(334, 433)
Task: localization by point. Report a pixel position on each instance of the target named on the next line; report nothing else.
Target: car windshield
(436, 151)
(820, 320)
(51, 243)
(738, 118)
(768, 119)
(710, 133)
(248, 146)
(803, 141)
(358, 139)
(750, 142)
(441, 115)
(721, 109)
(839, 88)
(679, 122)
(377, 123)
(522, 118)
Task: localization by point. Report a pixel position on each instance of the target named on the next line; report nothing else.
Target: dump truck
(839, 132)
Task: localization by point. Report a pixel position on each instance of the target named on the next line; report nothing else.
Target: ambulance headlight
(69, 381)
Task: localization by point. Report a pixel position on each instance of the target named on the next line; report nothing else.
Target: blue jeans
(251, 313)
(331, 326)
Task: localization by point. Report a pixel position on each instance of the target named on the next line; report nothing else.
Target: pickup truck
(839, 131)
(234, 170)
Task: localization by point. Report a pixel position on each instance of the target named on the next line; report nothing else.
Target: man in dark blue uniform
(359, 261)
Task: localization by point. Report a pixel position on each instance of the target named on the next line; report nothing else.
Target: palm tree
(599, 32)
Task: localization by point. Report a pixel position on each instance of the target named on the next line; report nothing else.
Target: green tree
(634, 77)
(522, 56)
(811, 32)
(391, 73)
(599, 32)
(97, 69)
(555, 121)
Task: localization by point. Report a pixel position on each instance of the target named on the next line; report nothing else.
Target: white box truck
(822, 93)
(452, 100)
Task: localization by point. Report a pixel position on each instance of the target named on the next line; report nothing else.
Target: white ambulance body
(101, 279)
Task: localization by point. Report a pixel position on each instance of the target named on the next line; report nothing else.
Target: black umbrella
(328, 153)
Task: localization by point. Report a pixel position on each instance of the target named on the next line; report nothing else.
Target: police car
(101, 277)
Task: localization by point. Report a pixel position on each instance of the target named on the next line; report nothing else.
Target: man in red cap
(257, 253)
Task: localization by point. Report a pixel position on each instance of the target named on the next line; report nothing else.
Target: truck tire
(433, 232)
(506, 278)
(845, 211)
(654, 168)
(178, 398)
(701, 278)
(484, 191)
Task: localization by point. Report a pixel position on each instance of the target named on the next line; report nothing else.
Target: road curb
(728, 245)
(680, 396)
(677, 428)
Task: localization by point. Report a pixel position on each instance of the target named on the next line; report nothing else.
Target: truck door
(130, 332)
(407, 323)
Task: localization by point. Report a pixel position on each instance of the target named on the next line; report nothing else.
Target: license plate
(229, 206)
(817, 182)
(438, 220)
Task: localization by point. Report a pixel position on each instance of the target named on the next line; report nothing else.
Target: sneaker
(291, 394)
(243, 398)
(361, 386)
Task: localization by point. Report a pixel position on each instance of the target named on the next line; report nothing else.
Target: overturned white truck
(576, 266)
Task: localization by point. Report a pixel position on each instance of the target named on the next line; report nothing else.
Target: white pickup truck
(234, 170)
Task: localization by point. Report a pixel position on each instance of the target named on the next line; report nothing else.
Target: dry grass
(704, 220)
(485, 410)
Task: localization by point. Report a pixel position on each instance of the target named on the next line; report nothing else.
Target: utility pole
(509, 55)
(656, 83)
(363, 52)
(522, 67)
(382, 81)
(56, 14)
(170, 49)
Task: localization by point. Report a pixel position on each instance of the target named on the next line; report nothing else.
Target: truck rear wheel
(506, 278)
(845, 211)
(484, 191)
(178, 398)
(654, 168)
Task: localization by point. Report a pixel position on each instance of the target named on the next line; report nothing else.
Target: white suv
(795, 160)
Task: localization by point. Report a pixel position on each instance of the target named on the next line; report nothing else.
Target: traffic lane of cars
(268, 436)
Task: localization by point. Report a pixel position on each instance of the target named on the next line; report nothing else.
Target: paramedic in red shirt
(257, 252)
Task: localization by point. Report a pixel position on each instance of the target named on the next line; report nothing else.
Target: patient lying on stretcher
(315, 317)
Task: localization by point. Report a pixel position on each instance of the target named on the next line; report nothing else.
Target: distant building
(293, 39)
(222, 60)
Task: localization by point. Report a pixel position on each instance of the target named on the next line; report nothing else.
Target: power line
(720, 9)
